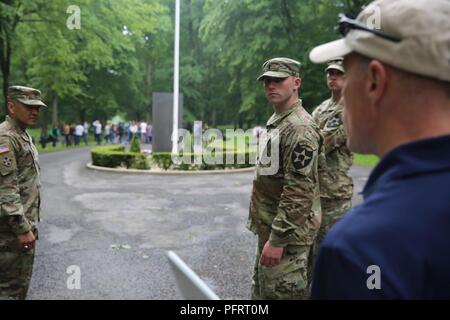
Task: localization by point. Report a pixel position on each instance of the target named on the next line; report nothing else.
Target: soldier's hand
(270, 255)
(26, 240)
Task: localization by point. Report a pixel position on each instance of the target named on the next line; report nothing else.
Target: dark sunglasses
(276, 80)
(333, 72)
(346, 24)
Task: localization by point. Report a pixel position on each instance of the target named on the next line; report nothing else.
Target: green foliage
(366, 160)
(162, 159)
(191, 161)
(135, 144)
(124, 52)
(140, 162)
(113, 156)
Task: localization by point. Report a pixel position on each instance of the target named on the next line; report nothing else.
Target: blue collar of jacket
(411, 159)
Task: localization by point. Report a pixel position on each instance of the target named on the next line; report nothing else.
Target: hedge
(115, 156)
(191, 161)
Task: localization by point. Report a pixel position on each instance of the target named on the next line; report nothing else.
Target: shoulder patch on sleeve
(7, 163)
(334, 122)
(302, 155)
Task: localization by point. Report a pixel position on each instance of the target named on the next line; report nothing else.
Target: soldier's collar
(335, 104)
(276, 119)
(13, 123)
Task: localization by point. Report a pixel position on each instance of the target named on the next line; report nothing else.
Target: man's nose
(270, 83)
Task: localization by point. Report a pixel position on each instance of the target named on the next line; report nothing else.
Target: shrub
(112, 156)
(115, 156)
(140, 162)
(164, 161)
(135, 144)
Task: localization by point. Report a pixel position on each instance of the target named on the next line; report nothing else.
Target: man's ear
(10, 107)
(376, 81)
(298, 83)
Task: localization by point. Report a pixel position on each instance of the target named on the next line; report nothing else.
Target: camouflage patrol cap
(413, 36)
(336, 64)
(280, 68)
(27, 96)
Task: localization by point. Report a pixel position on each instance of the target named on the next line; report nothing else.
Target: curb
(168, 172)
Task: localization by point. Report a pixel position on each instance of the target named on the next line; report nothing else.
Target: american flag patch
(4, 149)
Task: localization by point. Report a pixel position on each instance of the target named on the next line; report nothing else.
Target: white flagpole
(176, 78)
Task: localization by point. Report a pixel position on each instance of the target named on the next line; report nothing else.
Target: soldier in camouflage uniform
(19, 192)
(285, 208)
(336, 184)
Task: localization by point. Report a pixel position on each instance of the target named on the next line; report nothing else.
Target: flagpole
(176, 78)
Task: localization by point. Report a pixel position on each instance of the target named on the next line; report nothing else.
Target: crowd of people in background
(75, 134)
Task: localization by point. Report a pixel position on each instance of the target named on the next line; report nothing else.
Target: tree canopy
(122, 51)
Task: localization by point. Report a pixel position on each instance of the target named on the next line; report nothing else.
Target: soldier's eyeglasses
(346, 24)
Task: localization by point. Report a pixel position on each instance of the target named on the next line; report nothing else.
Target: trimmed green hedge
(115, 156)
(191, 161)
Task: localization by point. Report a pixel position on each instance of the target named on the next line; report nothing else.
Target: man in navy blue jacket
(396, 244)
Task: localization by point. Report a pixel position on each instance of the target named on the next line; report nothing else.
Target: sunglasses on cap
(346, 24)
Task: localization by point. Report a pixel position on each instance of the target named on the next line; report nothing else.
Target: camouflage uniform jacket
(336, 184)
(285, 204)
(19, 180)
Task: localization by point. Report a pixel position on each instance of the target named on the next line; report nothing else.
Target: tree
(12, 14)
(124, 52)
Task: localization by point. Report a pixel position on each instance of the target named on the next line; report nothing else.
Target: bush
(112, 156)
(164, 161)
(140, 162)
(115, 156)
(135, 144)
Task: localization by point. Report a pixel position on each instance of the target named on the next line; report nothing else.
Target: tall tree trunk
(55, 112)
(5, 61)
(44, 123)
(213, 118)
(191, 26)
(288, 19)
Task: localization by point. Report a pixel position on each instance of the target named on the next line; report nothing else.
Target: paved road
(88, 214)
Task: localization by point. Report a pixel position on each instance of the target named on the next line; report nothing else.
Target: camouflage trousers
(285, 281)
(16, 266)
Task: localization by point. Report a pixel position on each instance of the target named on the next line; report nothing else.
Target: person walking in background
(86, 133)
(79, 131)
(97, 131)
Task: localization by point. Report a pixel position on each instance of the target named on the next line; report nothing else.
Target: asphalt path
(114, 229)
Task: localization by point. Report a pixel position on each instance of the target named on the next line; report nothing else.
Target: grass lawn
(366, 160)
